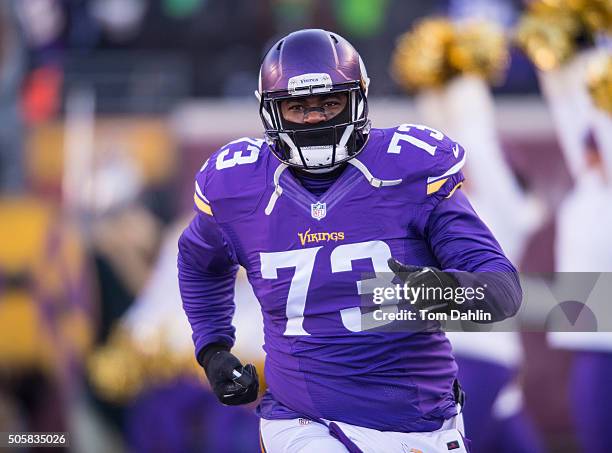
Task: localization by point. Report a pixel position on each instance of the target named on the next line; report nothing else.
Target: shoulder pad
(229, 183)
(425, 158)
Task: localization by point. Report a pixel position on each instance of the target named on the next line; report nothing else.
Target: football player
(309, 211)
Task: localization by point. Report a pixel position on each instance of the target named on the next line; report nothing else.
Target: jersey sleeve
(464, 245)
(229, 184)
(207, 273)
(444, 174)
(207, 259)
(429, 163)
(201, 203)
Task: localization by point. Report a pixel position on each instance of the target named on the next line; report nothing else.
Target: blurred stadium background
(109, 107)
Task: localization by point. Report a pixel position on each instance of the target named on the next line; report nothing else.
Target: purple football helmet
(314, 62)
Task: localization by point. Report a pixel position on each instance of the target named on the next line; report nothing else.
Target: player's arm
(207, 273)
(465, 247)
(468, 254)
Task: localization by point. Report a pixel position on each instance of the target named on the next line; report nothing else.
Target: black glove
(428, 277)
(232, 383)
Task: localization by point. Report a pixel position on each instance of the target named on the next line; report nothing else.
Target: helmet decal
(309, 84)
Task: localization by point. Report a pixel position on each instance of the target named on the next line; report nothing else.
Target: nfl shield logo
(318, 210)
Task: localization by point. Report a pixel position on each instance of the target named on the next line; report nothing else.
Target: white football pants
(306, 436)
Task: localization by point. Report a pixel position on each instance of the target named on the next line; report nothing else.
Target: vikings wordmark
(308, 238)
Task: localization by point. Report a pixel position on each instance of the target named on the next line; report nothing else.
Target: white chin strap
(318, 156)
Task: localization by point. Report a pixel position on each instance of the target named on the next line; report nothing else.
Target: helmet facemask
(323, 145)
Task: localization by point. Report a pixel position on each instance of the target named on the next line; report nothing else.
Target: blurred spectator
(12, 61)
(43, 22)
(222, 40)
(361, 19)
(292, 15)
(120, 20)
(230, 34)
(47, 316)
(503, 12)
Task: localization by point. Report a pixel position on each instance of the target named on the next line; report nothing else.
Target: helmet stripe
(334, 51)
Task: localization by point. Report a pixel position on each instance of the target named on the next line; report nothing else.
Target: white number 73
(253, 147)
(396, 148)
(341, 261)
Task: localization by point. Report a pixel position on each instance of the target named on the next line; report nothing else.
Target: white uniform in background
(465, 111)
(159, 308)
(584, 219)
(584, 244)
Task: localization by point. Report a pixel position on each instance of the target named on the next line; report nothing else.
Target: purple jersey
(306, 257)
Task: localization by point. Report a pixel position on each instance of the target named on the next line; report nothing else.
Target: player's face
(313, 109)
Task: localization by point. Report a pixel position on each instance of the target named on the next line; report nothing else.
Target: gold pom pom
(420, 57)
(123, 368)
(437, 50)
(595, 15)
(552, 30)
(116, 370)
(479, 48)
(547, 41)
(599, 76)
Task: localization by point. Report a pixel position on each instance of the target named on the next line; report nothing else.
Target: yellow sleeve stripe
(433, 187)
(454, 188)
(201, 205)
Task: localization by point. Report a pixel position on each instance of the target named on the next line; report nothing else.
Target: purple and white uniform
(305, 257)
